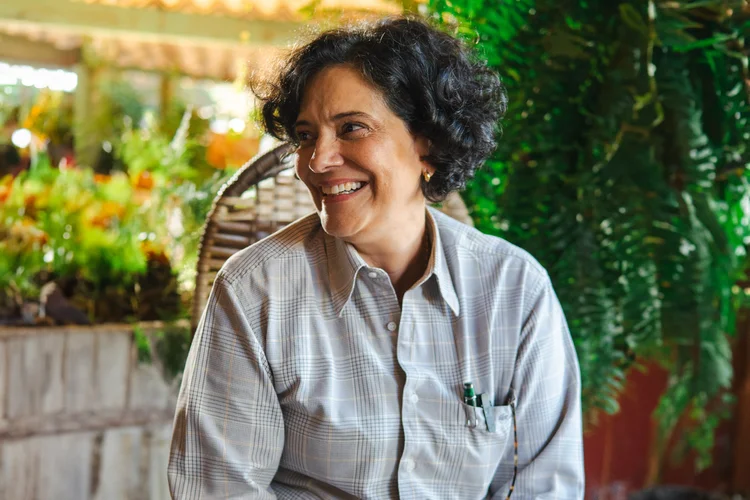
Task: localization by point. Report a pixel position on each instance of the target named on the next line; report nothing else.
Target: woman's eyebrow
(337, 116)
(349, 114)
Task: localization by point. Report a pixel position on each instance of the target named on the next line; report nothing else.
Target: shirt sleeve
(547, 384)
(228, 431)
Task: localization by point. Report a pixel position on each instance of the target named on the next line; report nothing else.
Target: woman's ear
(423, 146)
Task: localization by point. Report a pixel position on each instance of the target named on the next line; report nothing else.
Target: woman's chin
(338, 228)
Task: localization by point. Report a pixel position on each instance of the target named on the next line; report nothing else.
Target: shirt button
(372, 274)
(409, 465)
(391, 326)
(414, 398)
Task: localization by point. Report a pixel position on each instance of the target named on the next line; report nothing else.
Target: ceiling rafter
(148, 24)
(21, 50)
(201, 38)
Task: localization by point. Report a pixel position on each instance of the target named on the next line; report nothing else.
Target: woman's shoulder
(461, 239)
(275, 251)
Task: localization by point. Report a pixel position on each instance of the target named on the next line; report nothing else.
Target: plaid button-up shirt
(307, 380)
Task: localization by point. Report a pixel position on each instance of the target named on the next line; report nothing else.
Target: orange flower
(29, 201)
(102, 178)
(224, 150)
(154, 253)
(114, 209)
(106, 215)
(5, 189)
(144, 181)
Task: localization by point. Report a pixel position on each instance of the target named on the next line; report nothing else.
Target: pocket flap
(500, 414)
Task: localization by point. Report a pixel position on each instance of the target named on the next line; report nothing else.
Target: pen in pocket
(470, 399)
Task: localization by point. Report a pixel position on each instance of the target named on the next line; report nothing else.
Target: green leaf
(633, 18)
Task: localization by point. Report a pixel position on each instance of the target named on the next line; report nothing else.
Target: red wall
(617, 448)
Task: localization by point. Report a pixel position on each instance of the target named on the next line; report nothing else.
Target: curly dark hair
(428, 79)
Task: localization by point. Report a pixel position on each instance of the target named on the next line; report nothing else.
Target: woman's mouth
(345, 188)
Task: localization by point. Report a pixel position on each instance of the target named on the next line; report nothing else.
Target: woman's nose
(326, 155)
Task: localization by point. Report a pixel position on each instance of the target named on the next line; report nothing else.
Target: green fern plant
(623, 168)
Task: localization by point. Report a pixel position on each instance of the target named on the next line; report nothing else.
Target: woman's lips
(336, 198)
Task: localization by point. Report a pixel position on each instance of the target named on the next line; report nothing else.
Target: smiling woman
(332, 356)
(347, 135)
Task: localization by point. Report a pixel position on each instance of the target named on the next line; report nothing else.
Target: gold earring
(426, 176)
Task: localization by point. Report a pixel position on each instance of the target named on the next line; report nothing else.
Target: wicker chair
(261, 198)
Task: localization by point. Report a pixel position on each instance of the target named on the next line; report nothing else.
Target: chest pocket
(485, 446)
(477, 419)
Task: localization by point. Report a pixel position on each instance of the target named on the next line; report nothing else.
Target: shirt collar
(439, 265)
(344, 264)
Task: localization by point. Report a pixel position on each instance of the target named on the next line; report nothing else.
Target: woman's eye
(348, 128)
(304, 137)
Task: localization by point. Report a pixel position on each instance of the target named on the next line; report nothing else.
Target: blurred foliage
(119, 244)
(88, 233)
(51, 117)
(167, 347)
(624, 169)
(113, 106)
(184, 186)
(8, 113)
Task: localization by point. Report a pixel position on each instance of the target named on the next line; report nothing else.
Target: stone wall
(80, 417)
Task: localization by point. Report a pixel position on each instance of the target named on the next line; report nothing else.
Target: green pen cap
(470, 397)
(469, 390)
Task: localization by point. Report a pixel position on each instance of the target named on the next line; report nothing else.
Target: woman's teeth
(345, 188)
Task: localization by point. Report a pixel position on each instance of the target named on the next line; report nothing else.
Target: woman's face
(359, 160)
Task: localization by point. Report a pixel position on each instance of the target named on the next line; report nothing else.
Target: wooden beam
(174, 72)
(147, 24)
(166, 96)
(21, 50)
(84, 129)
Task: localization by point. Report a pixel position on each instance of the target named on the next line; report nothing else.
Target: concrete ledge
(80, 416)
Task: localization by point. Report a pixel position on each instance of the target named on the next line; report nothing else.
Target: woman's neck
(404, 256)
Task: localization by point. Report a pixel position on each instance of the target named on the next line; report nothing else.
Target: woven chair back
(261, 198)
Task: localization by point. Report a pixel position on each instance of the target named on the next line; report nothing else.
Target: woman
(332, 356)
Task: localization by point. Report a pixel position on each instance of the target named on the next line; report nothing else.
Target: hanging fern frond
(624, 168)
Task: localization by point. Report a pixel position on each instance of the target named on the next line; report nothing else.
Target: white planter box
(80, 417)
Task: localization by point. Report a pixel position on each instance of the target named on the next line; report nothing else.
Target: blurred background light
(21, 138)
(40, 78)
